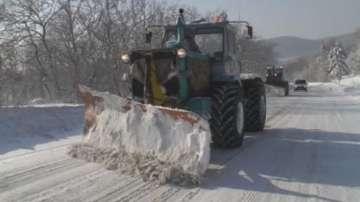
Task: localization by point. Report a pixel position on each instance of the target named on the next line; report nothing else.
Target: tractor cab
(213, 43)
(274, 73)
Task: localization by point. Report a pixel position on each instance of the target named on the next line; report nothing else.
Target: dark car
(300, 85)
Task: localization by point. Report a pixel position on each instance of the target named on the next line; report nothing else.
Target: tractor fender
(225, 78)
(243, 80)
(229, 80)
(251, 82)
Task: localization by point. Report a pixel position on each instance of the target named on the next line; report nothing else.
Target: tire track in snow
(35, 174)
(39, 184)
(190, 195)
(94, 188)
(167, 194)
(123, 186)
(277, 114)
(275, 119)
(138, 193)
(29, 168)
(61, 188)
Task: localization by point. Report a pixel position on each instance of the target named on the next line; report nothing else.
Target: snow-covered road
(308, 152)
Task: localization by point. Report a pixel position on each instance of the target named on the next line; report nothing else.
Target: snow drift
(274, 91)
(158, 143)
(348, 85)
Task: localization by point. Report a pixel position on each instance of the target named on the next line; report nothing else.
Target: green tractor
(185, 95)
(198, 69)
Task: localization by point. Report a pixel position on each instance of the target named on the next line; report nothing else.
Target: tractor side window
(231, 43)
(170, 38)
(211, 44)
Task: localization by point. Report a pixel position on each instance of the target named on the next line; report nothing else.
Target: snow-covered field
(308, 152)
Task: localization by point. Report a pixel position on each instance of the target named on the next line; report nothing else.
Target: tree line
(48, 47)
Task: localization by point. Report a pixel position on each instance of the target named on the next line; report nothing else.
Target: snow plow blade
(160, 144)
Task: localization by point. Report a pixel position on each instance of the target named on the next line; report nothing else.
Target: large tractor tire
(255, 105)
(227, 116)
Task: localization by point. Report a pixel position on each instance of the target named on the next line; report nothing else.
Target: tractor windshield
(208, 41)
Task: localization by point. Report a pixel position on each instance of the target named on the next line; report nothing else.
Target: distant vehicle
(300, 85)
(275, 77)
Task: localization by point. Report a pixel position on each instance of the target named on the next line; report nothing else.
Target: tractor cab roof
(203, 28)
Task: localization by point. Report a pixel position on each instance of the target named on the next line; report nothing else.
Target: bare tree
(50, 46)
(29, 21)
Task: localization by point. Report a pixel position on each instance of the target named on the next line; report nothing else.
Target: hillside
(289, 47)
(347, 40)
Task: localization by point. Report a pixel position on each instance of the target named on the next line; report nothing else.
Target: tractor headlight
(125, 58)
(181, 53)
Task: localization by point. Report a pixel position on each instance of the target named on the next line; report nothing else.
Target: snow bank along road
(308, 152)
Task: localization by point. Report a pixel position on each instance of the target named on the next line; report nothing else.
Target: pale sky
(303, 18)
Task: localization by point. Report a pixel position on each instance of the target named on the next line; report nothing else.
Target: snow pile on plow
(160, 144)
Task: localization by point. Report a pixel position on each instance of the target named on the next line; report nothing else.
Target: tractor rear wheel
(227, 116)
(255, 105)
